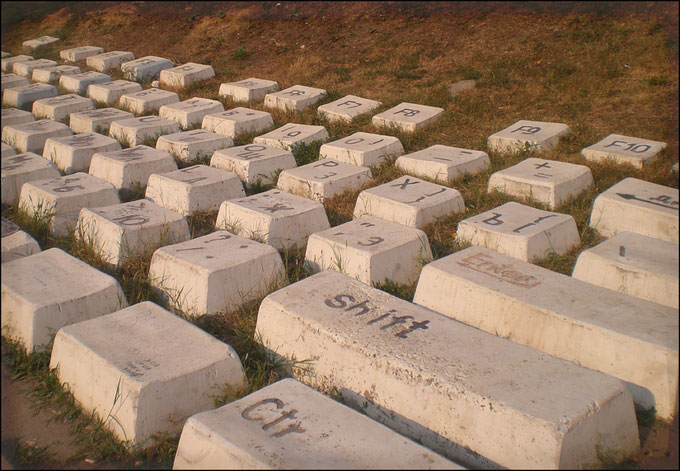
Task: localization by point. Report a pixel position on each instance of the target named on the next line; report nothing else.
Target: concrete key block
(131, 167)
(254, 163)
(144, 370)
(13, 80)
(26, 68)
(11, 116)
(520, 231)
(251, 89)
(370, 250)
(218, 272)
(295, 98)
(624, 150)
(16, 243)
(237, 121)
(108, 60)
(98, 120)
(59, 108)
(31, 137)
(292, 134)
(78, 83)
(288, 425)
(52, 74)
(24, 96)
(633, 264)
(78, 54)
(191, 145)
(135, 130)
(8, 151)
(38, 42)
(196, 188)
(22, 168)
(74, 153)
(347, 108)
(110, 93)
(526, 135)
(145, 68)
(471, 396)
(184, 75)
(59, 200)
(7, 63)
(409, 201)
(323, 179)
(190, 112)
(408, 117)
(617, 334)
(123, 231)
(48, 290)
(547, 181)
(363, 149)
(146, 101)
(274, 217)
(637, 206)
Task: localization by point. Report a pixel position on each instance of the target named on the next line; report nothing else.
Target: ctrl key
(288, 425)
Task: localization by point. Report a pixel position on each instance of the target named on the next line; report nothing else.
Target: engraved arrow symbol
(633, 197)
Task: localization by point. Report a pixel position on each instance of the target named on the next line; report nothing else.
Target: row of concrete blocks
(523, 135)
(380, 353)
(539, 136)
(408, 200)
(514, 229)
(676, 198)
(548, 182)
(287, 221)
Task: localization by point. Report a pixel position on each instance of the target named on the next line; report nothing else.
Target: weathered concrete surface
(131, 167)
(520, 231)
(109, 60)
(74, 153)
(51, 289)
(24, 96)
(135, 130)
(362, 149)
(59, 108)
(637, 206)
(144, 370)
(254, 163)
(123, 231)
(408, 117)
(347, 108)
(251, 89)
(409, 201)
(195, 188)
(620, 335)
(547, 181)
(443, 163)
(59, 200)
(624, 150)
(21, 168)
(633, 264)
(274, 217)
(218, 272)
(469, 395)
(288, 425)
(16, 243)
(370, 250)
(524, 135)
(323, 179)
